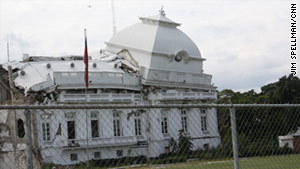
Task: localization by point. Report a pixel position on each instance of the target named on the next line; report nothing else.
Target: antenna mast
(7, 45)
(113, 17)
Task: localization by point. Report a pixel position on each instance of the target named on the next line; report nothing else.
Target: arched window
(184, 121)
(21, 129)
(203, 116)
(117, 124)
(138, 123)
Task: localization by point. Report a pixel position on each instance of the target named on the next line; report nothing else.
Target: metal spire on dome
(160, 18)
(113, 17)
(161, 11)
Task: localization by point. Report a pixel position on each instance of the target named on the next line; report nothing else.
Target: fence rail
(146, 106)
(219, 136)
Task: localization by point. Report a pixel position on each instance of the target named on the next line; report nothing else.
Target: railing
(108, 97)
(153, 75)
(186, 95)
(109, 79)
(99, 142)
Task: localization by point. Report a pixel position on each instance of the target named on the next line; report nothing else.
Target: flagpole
(86, 60)
(87, 126)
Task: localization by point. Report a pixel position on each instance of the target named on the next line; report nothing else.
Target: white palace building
(150, 62)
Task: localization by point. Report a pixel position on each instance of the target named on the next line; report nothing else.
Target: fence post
(28, 139)
(234, 138)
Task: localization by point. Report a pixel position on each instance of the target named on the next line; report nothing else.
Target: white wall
(161, 62)
(283, 140)
(59, 151)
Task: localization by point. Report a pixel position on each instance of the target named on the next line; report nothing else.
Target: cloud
(246, 43)
(16, 45)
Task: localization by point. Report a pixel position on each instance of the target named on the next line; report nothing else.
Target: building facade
(151, 62)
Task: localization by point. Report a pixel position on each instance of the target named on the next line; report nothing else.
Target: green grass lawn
(271, 162)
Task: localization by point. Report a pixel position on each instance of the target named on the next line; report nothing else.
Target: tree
(260, 125)
(185, 143)
(286, 90)
(173, 145)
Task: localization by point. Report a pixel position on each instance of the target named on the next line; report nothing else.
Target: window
(46, 131)
(206, 146)
(178, 58)
(71, 129)
(119, 153)
(73, 157)
(94, 124)
(117, 130)
(203, 120)
(117, 124)
(164, 123)
(97, 155)
(71, 125)
(45, 116)
(95, 128)
(45, 122)
(70, 115)
(21, 129)
(184, 124)
(94, 115)
(137, 124)
(182, 54)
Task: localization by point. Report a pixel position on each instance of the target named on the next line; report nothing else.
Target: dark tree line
(259, 127)
(285, 90)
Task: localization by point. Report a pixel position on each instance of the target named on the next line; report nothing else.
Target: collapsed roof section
(47, 73)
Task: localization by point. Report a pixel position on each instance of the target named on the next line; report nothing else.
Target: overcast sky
(246, 43)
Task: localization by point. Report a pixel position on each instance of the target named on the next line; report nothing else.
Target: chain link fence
(212, 136)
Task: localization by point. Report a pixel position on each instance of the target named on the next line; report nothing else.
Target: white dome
(156, 34)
